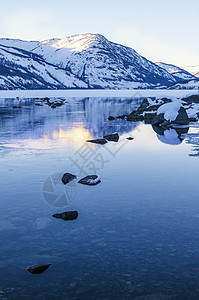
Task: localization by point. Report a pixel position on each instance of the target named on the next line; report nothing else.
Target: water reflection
(36, 129)
(41, 127)
(172, 136)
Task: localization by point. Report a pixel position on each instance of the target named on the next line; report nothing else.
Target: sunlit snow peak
(76, 43)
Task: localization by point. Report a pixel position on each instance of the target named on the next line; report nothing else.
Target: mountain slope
(178, 73)
(80, 61)
(21, 69)
(186, 85)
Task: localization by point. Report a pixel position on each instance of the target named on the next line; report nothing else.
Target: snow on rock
(170, 110)
(193, 110)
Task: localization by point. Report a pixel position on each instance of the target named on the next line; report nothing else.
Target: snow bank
(170, 110)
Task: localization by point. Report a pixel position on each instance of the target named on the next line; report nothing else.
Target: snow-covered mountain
(79, 61)
(194, 70)
(179, 73)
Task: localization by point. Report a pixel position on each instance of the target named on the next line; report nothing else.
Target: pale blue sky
(159, 30)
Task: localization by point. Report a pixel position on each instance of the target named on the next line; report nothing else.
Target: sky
(165, 31)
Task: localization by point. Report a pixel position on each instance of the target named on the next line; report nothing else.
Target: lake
(137, 233)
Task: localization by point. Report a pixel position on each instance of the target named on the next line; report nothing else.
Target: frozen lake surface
(137, 233)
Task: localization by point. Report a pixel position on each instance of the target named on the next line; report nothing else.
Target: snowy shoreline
(96, 93)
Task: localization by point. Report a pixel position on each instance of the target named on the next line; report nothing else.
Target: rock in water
(90, 180)
(38, 269)
(121, 117)
(67, 215)
(67, 177)
(149, 117)
(158, 119)
(112, 137)
(110, 118)
(130, 138)
(98, 141)
(182, 117)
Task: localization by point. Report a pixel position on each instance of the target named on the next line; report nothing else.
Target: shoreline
(96, 93)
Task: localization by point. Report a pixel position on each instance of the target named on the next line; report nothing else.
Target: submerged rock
(53, 106)
(38, 269)
(16, 106)
(98, 141)
(112, 137)
(110, 118)
(67, 177)
(90, 180)
(67, 215)
(121, 117)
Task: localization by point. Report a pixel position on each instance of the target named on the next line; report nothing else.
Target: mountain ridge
(87, 61)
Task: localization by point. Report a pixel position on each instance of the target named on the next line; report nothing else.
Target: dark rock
(110, 118)
(149, 117)
(193, 98)
(182, 117)
(112, 137)
(153, 107)
(166, 100)
(57, 104)
(67, 215)
(38, 269)
(193, 119)
(38, 104)
(130, 138)
(158, 119)
(53, 106)
(121, 117)
(16, 106)
(67, 177)
(159, 130)
(135, 118)
(143, 105)
(166, 124)
(182, 130)
(136, 113)
(98, 141)
(90, 180)
(46, 99)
